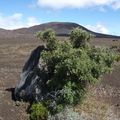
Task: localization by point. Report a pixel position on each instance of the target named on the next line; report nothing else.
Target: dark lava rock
(29, 87)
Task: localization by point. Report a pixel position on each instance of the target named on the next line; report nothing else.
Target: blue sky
(98, 15)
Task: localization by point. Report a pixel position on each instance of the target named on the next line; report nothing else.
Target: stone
(29, 86)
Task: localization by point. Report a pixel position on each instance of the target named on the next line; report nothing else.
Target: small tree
(38, 112)
(72, 66)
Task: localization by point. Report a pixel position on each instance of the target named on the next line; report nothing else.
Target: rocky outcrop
(31, 78)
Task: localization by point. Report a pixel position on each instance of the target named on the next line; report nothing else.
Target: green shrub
(66, 114)
(79, 37)
(60, 107)
(48, 36)
(117, 58)
(38, 112)
(71, 66)
(114, 47)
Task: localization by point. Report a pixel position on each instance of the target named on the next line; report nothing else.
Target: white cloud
(16, 21)
(32, 21)
(100, 28)
(10, 22)
(116, 5)
(60, 4)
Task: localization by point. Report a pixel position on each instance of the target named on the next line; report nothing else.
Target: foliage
(79, 37)
(117, 58)
(71, 66)
(48, 36)
(38, 112)
(66, 114)
(114, 47)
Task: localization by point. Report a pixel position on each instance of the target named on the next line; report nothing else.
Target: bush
(117, 57)
(114, 47)
(79, 37)
(38, 112)
(48, 36)
(66, 114)
(71, 66)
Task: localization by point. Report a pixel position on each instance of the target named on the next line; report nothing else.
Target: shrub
(38, 112)
(66, 114)
(114, 47)
(117, 57)
(71, 66)
(48, 36)
(79, 37)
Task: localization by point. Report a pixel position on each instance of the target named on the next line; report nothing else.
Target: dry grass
(14, 53)
(94, 107)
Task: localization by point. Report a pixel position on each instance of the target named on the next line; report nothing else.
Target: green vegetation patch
(72, 65)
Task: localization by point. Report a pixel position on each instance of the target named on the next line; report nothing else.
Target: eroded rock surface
(29, 87)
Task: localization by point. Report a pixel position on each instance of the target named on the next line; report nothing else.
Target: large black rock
(31, 78)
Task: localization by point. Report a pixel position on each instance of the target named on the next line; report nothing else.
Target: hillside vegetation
(72, 66)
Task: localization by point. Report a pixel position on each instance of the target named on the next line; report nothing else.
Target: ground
(13, 55)
(102, 102)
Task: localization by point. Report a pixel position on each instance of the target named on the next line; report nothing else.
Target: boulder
(31, 78)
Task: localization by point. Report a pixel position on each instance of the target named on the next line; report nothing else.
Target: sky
(98, 15)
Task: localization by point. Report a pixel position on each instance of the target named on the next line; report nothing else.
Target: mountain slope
(61, 29)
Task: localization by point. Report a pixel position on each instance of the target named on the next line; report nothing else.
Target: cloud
(100, 28)
(116, 5)
(32, 21)
(16, 20)
(60, 4)
(11, 22)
